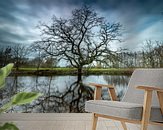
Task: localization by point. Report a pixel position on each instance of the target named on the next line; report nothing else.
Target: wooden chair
(142, 104)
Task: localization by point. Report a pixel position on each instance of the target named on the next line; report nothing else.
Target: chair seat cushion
(131, 111)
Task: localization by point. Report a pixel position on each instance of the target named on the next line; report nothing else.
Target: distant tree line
(23, 56)
(151, 56)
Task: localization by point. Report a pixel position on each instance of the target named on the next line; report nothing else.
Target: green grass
(34, 69)
(72, 71)
(111, 71)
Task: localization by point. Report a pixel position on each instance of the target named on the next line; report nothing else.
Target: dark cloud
(147, 6)
(6, 7)
(15, 21)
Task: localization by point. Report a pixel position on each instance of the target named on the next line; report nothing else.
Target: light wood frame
(146, 107)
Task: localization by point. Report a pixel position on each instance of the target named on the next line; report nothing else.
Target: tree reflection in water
(71, 100)
(64, 96)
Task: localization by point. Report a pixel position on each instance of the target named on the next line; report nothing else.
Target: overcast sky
(141, 19)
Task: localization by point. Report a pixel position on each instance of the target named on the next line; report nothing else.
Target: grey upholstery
(124, 110)
(132, 103)
(146, 77)
(115, 108)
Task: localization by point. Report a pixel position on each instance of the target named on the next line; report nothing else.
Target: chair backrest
(146, 77)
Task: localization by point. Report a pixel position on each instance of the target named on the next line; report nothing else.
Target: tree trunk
(17, 66)
(79, 74)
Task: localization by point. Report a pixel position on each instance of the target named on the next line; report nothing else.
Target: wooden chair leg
(124, 125)
(94, 121)
(146, 110)
(160, 98)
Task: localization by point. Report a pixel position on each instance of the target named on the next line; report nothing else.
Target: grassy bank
(112, 71)
(71, 71)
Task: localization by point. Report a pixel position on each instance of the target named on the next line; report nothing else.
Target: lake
(60, 93)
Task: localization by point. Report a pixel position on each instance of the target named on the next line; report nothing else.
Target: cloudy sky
(141, 19)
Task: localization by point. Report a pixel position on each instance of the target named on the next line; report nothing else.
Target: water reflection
(60, 93)
(120, 83)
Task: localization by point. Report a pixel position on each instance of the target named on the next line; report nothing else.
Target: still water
(60, 93)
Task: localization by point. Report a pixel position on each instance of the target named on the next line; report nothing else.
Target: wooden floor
(56, 121)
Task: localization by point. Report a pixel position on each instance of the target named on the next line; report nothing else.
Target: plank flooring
(57, 121)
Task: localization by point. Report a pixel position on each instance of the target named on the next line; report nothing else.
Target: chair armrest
(98, 91)
(148, 91)
(149, 88)
(101, 85)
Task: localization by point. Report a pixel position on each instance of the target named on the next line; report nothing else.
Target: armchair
(138, 107)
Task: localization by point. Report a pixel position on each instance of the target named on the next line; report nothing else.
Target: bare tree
(5, 56)
(49, 62)
(159, 53)
(149, 54)
(19, 54)
(80, 39)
